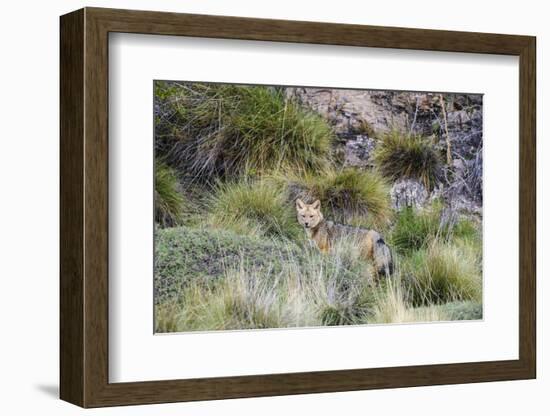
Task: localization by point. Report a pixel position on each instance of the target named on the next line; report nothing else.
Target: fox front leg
(324, 246)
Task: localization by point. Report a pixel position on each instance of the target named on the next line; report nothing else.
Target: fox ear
(316, 205)
(300, 204)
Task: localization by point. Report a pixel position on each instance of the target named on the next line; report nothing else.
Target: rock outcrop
(408, 193)
(360, 117)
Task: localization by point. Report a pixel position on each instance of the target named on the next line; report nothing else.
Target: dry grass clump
(408, 156)
(392, 307)
(414, 228)
(168, 200)
(347, 195)
(254, 208)
(444, 273)
(218, 130)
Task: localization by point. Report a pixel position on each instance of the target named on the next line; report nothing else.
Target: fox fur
(324, 233)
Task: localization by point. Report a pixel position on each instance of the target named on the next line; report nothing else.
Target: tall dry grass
(169, 202)
(220, 130)
(408, 156)
(254, 207)
(311, 289)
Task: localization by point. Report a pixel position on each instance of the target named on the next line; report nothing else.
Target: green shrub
(255, 208)
(222, 130)
(443, 273)
(415, 229)
(348, 195)
(184, 255)
(408, 156)
(168, 201)
(467, 229)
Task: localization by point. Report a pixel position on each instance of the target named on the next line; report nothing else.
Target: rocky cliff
(454, 121)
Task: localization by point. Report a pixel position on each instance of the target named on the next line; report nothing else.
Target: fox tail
(383, 258)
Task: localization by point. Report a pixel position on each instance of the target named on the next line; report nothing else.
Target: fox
(324, 233)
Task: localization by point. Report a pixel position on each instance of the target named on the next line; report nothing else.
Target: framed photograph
(256, 207)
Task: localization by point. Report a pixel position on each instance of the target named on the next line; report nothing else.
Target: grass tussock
(169, 201)
(439, 255)
(444, 273)
(408, 156)
(254, 208)
(359, 197)
(415, 229)
(391, 306)
(216, 130)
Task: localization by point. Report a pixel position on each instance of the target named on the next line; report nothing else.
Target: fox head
(309, 215)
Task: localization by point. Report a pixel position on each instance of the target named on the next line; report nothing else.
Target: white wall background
(29, 159)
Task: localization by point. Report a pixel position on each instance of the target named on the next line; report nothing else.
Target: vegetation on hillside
(210, 279)
(229, 252)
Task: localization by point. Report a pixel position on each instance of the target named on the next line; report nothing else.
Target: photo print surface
(294, 207)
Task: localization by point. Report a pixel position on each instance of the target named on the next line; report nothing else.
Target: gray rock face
(360, 116)
(355, 110)
(358, 150)
(408, 193)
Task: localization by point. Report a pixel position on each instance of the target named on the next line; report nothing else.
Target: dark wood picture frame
(84, 207)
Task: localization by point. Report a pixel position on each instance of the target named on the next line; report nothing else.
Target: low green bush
(187, 254)
(254, 207)
(416, 228)
(408, 156)
(413, 228)
(443, 273)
